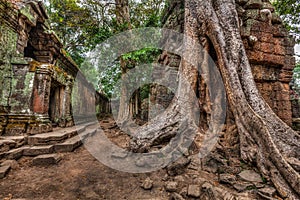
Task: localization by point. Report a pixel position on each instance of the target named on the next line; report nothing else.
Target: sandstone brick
(48, 159)
(255, 56)
(38, 150)
(263, 27)
(266, 47)
(279, 50)
(266, 37)
(273, 59)
(278, 41)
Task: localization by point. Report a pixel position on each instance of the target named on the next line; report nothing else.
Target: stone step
(45, 154)
(74, 142)
(6, 144)
(67, 146)
(19, 140)
(15, 154)
(47, 159)
(54, 137)
(38, 150)
(58, 136)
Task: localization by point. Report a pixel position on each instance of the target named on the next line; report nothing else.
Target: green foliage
(145, 91)
(289, 10)
(108, 78)
(146, 13)
(77, 25)
(83, 24)
(145, 55)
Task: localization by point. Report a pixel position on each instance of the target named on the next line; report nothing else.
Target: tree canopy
(83, 24)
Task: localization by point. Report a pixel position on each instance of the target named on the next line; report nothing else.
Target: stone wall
(269, 47)
(270, 51)
(36, 75)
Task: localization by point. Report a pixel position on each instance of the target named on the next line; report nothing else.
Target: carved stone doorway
(56, 103)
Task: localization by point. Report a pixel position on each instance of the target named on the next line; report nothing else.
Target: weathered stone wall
(270, 51)
(36, 75)
(269, 47)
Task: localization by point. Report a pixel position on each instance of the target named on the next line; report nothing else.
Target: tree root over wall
(264, 138)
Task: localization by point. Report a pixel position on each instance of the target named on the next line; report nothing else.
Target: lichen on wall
(8, 40)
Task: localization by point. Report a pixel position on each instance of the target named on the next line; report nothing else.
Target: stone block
(19, 140)
(250, 176)
(290, 51)
(273, 59)
(12, 163)
(279, 50)
(6, 144)
(171, 186)
(227, 178)
(147, 184)
(262, 27)
(265, 37)
(267, 192)
(38, 150)
(69, 145)
(48, 159)
(266, 47)
(193, 191)
(54, 137)
(289, 41)
(15, 154)
(4, 170)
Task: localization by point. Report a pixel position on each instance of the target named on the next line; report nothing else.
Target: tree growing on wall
(264, 138)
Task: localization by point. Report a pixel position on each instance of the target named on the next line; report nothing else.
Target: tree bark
(123, 20)
(264, 138)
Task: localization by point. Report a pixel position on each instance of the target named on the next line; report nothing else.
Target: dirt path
(77, 176)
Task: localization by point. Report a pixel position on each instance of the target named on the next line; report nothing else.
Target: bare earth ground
(78, 176)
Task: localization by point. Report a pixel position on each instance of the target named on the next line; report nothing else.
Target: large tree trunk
(123, 20)
(264, 138)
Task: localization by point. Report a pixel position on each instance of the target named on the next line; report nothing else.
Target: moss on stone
(26, 11)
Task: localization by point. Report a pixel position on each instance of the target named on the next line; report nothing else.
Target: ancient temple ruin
(37, 76)
(269, 46)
